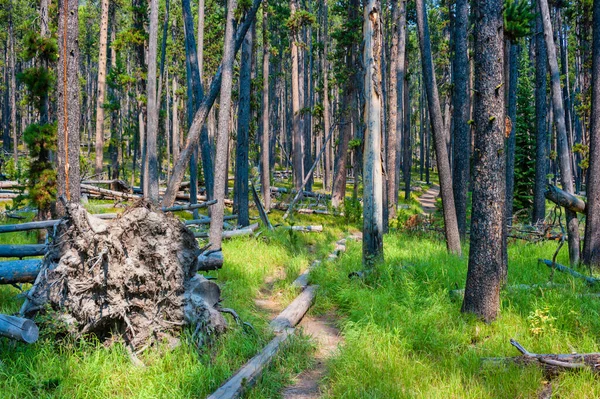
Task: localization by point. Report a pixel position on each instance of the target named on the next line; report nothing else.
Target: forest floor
(397, 333)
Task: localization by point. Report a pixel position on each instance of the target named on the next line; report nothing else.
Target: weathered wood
(261, 211)
(9, 184)
(565, 269)
(302, 280)
(188, 207)
(295, 310)
(20, 251)
(246, 231)
(86, 188)
(210, 261)
(19, 271)
(247, 375)
(317, 228)
(18, 328)
(305, 193)
(565, 199)
(206, 220)
(9, 228)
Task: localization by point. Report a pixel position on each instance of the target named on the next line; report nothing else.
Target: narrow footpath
(427, 200)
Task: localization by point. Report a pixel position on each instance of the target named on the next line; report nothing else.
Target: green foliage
(518, 18)
(41, 140)
(299, 19)
(44, 49)
(39, 82)
(584, 152)
(525, 136)
(352, 210)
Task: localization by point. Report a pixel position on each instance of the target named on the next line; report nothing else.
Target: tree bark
(372, 165)
(297, 125)
(566, 172)
(243, 130)
(326, 112)
(541, 135)
(216, 223)
(13, 90)
(512, 139)
(591, 247)
(68, 103)
(439, 136)
(393, 115)
(460, 119)
(151, 108)
(101, 87)
(486, 270)
(265, 175)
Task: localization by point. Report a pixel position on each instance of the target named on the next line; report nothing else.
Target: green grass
(405, 337)
(87, 369)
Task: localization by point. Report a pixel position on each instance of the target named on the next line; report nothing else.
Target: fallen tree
(565, 269)
(19, 271)
(565, 199)
(133, 277)
(18, 328)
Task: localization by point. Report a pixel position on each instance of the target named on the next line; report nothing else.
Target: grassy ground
(406, 338)
(61, 369)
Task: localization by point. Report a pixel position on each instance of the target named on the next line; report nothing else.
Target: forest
(300, 199)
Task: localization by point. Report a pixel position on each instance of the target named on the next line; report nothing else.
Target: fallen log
(306, 229)
(18, 328)
(115, 184)
(565, 199)
(246, 231)
(21, 251)
(19, 271)
(311, 194)
(9, 228)
(247, 375)
(85, 188)
(554, 363)
(9, 184)
(206, 220)
(210, 261)
(9, 195)
(295, 310)
(565, 269)
(177, 208)
(261, 210)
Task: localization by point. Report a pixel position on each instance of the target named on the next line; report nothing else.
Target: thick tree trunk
(541, 135)
(512, 139)
(243, 130)
(216, 223)
(566, 172)
(101, 87)
(372, 165)
(591, 247)
(68, 103)
(439, 136)
(460, 119)
(151, 108)
(486, 271)
(265, 174)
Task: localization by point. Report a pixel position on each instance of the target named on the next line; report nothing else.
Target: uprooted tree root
(133, 277)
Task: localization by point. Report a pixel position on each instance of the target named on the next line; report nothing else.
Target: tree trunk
(151, 108)
(175, 116)
(406, 139)
(566, 172)
(101, 86)
(216, 223)
(541, 152)
(201, 37)
(591, 247)
(326, 112)
(512, 139)
(486, 270)
(460, 118)
(265, 178)
(439, 136)
(68, 103)
(243, 130)
(393, 115)
(13, 91)
(372, 165)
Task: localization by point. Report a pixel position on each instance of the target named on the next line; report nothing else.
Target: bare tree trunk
(461, 108)
(175, 114)
(243, 131)
(407, 150)
(151, 108)
(201, 37)
(13, 90)
(68, 103)
(591, 247)
(513, 71)
(297, 131)
(439, 136)
(373, 168)
(393, 115)
(566, 172)
(265, 177)
(101, 86)
(487, 267)
(541, 152)
(216, 223)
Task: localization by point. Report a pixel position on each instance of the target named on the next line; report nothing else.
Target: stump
(133, 277)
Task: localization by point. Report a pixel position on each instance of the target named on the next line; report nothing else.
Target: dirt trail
(427, 200)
